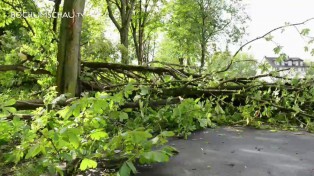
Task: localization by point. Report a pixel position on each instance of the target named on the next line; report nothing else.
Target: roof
(272, 61)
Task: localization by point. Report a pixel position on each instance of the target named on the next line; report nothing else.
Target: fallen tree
(126, 110)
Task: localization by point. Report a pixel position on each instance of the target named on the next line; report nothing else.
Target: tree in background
(145, 22)
(194, 24)
(94, 44)
(244, 65)
(122, 22)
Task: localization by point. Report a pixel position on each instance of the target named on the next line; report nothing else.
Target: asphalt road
(239, 152)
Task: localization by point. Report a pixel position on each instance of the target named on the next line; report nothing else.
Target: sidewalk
(239, 152)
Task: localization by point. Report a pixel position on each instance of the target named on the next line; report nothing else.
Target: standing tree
(126, 8)
(146, 19)
(194, 23)
(69, 48)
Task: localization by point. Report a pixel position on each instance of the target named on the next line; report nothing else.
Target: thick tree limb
(113, 66)
(33, 104)
(20, 68)
(113, 19)
(28, 104)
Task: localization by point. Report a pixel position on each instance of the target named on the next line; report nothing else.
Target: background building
(294, 65)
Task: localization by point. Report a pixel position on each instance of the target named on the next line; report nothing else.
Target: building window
(290, 63)
(296, 63)
(301, 63)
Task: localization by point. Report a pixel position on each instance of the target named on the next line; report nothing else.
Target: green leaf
(127, 110)
(97, 107)
(144, 90)
(305, 32)
(312, 52)
(296, 108)
(153, 156)
(203, 122)
(33, 151)
(131, 166)
(99, 135)
(15, 156)
(76, 110)
(269, 37)
(123, 116)
(88, 163)
(197, 100)
(74, 140)
(219, 110)
(65, 113)
(10, 102)
(306, 49)
(128, 90)
(277, 49)
(125, 170)
(141, 104)
(295, 81)
(167, 133)
(167, 78)
(9, 109)
(155, 140)
(170, 150)
(138, 136)
(72, 136)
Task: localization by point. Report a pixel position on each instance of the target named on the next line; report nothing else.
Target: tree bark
(33, 104)
(69, 48)
(124, 33)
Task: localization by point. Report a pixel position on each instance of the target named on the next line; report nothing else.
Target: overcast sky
(268, 14)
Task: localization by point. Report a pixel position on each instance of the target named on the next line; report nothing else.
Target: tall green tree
(196, 23)
(69, 48)
(122, 22)
(144, 23)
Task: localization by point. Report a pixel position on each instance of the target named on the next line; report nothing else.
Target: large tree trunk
(124, 34)
(69, 48)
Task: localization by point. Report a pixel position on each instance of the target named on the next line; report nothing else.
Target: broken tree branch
(261, 37)
(20, 68)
